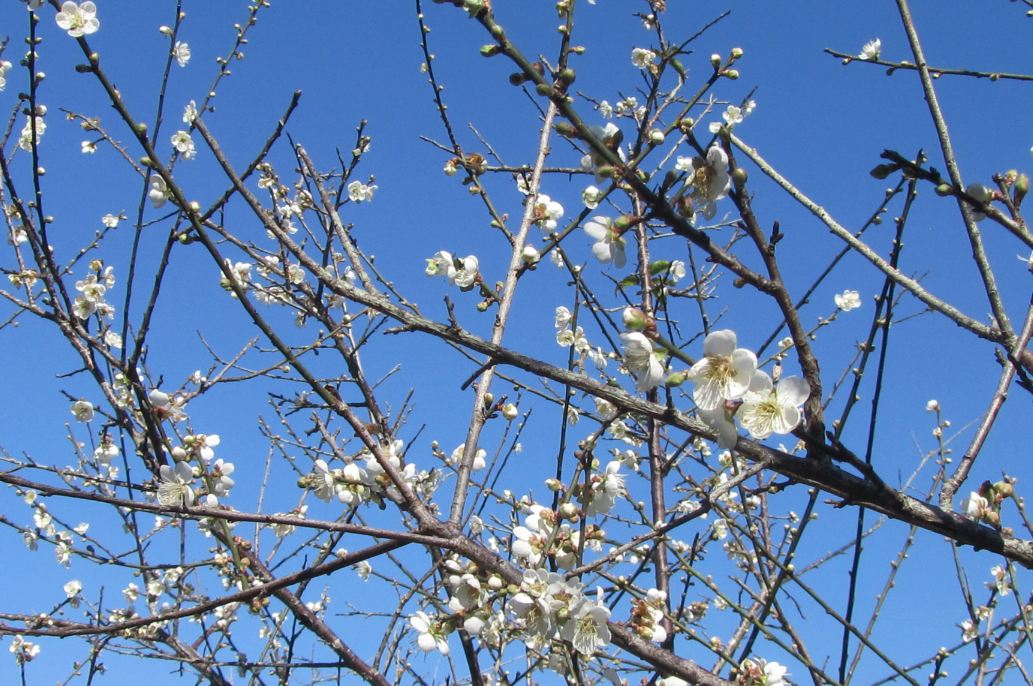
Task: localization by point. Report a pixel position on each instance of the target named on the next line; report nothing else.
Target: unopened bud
(656, 136)
(736, 53)
(634, 319)
(554, 485)
(715, 60)
(676, 379)
(732, 74)
(943, 189)
(490, 50)
(1021, 187)
(568, 511)
(510, 411)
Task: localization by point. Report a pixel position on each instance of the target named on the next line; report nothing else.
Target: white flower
(530, 255)
(360, 192)
(1001, 583)
(606, 111)
(72, 590)
(439, 264)
(184, 144)
(78, 20)
(609, 245)
(110, 220)
(932, 406)
(221, 481)
(732, 115)
(848, 300)
(774, 674)
(175, 488)
(105, 453)
(23, 651)
(871, 50)
(181, 51)
(190, 114)
(563, 317)
(430, 636)
(975, 506)
(643, 58)
(641, 361)
(4, 67)
(82, 410)
(709, 180)
(969, 630)
(546, 212)
(591, 197)
(768, 408)
(88, 147)
(31, 123)
(159, 192)
(586, 628)
(724, 373)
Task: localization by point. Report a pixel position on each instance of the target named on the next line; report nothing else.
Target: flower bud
(656, 136)
(1004, 489)
(1021, 188)
(715, 60)
(736, 53)
(490, 50)
(676, 379)
(568, 511)
(510, 411)
(634, 319)
(566, 129)
(943, 189)
(732, 74)
(167, 30)
(554, 485)
(739, 176)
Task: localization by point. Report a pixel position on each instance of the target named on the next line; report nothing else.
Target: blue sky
(821, 123)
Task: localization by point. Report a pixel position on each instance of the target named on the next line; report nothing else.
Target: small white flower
(72, 590)
(159, 192)
(190, 113)
(430, 636)
(105, 453)
(870, 50)
(768, 408)
(982, 195)
(546, 212)
(609, 245)
(591, 197)
(975, 506)
(606, 111)
(563, 317)
(88, 147)
(1001, 582)
(724, 373)
(641, 361)
(23, 651)
(184, 145)
(175, 489)
(78, 20)
(643, 58)
(360, 192)
(4, 68)
(181, 51)
(848, 300)
(932, 406)
(709, 180)
(82, 410)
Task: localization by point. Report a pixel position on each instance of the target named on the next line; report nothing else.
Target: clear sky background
(821, 123)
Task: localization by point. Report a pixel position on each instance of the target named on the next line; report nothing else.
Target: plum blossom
(587, 627)
(591, 197)
(430, 632)
(643, 58)
(975, 506)
(721, 420)
(23, 651)
(78, 20)
(609, 246)
(159, 191)
(848, 300)
(5, 66)
(870, 50)
(724, 373)
(184, 144)
(709, 181)
(175, 489)
(642, 361)
(360, 192)
(82, 410)
(546, 212)
(36, 124)
(181, 51)
(461, 272)
(768, 408)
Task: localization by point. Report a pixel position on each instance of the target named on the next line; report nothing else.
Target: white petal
(793, 391)
(719, 343)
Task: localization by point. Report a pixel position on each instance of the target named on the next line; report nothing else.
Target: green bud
(739, 176)
(1021, 188)
(634, 319)
(676, 379)
(140, 127)
(497, 31)
(715, 61)
(732, 74)
(943, 189)
(686, 124)
(543, 89)
(736, 53)
(566, 129)
(622, 223)
(517, 79)
(881, 171)
(567, 76)
(490, 50)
